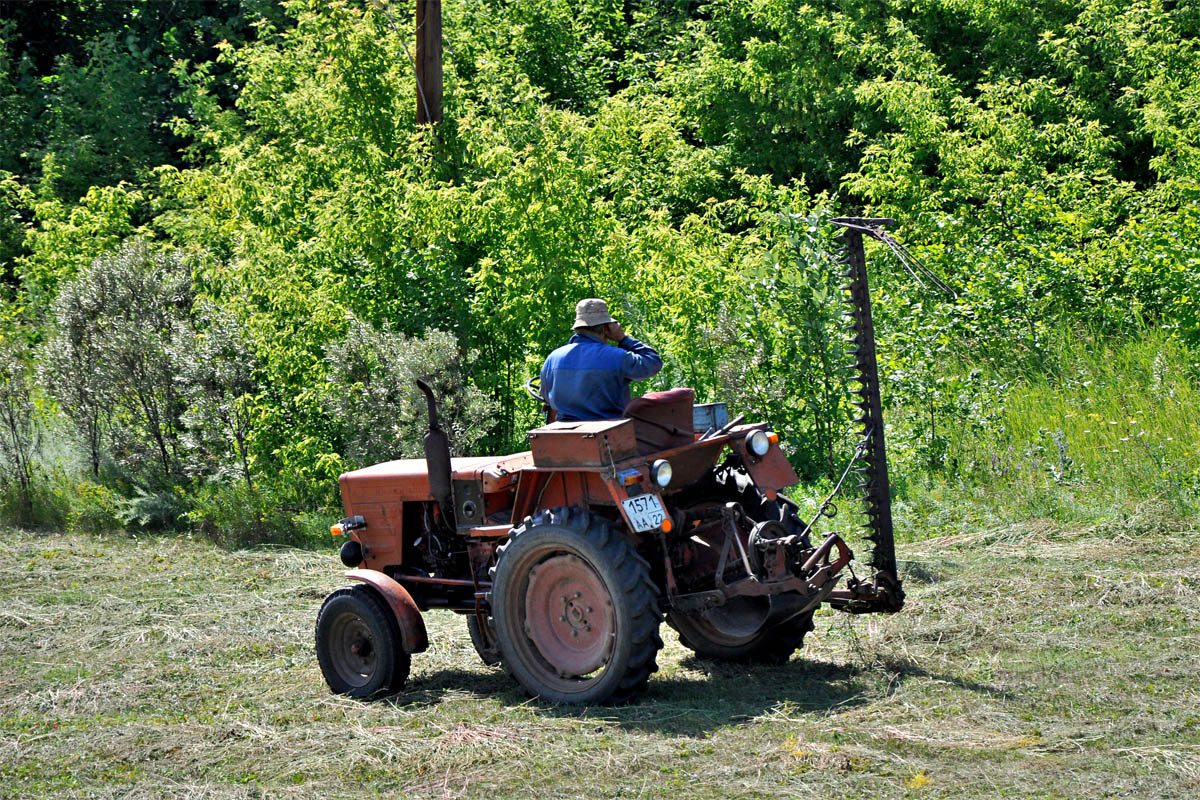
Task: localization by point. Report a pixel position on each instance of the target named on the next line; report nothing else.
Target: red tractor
(564, 559)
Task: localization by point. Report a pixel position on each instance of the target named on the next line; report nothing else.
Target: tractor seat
(662, 420)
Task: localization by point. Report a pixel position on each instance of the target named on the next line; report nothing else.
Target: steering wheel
(533, 387)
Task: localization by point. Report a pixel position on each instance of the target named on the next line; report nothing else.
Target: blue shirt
(586, 379)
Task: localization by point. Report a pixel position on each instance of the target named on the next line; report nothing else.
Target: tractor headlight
(758, 443)
(660, 472)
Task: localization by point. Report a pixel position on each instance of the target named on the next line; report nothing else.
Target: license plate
(645, 512)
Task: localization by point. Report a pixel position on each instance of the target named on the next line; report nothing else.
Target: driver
(586, 379)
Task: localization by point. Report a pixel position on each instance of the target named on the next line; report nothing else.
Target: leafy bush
(373, 396)
(109, 362)
(95, 508)
(217, 368)
(234, 514)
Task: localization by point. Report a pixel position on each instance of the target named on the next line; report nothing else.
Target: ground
(1031, 661)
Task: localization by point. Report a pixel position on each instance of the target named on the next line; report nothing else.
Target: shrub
(19, 435)
(216, 373)
(373, 396)
(95, 508)
(109, 361)
(234, 514)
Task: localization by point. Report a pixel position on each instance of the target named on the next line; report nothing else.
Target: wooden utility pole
(429, 62)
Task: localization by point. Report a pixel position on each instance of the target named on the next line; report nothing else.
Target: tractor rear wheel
(358, 644)
(738, 630)
(575, 610)
(732, 633)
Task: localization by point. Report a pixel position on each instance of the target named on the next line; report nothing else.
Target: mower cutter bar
(883, 591)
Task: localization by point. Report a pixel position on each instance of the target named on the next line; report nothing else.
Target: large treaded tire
(577, 550)
(773, 645)
(358, 644)
(490, 656)
(702, 632)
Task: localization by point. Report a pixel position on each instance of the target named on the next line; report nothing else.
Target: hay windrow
(1032, 661)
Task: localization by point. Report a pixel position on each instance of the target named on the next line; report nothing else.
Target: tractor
(566, 558)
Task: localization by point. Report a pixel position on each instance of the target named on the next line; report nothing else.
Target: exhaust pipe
(437, 460)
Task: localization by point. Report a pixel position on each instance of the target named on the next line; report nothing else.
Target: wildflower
(919, 781)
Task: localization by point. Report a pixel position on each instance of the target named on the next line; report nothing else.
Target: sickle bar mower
(883, 591)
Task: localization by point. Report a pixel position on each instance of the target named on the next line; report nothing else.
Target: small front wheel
(358, 644)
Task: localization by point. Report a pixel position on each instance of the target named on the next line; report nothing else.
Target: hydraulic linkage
(882, 592)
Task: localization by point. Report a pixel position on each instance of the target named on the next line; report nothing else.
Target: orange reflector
(773, 437)
(336, 530)
(667, 525)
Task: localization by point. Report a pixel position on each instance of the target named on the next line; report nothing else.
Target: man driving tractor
(586, 379)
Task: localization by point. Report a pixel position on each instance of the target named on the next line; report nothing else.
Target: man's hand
(615, 332)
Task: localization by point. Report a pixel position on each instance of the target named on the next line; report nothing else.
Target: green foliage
(679, 159)
(95, 508)
(234, 513)
(64, 239)
(217, 369)
(109, 361)
(89, 85)
(19, 434)
(15, 203)
(372, 394)
(102, 120)
(153, 510)
(17, 89)
(1109, 424)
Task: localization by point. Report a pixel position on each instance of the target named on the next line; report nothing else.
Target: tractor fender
(413, 637)
(770, 473)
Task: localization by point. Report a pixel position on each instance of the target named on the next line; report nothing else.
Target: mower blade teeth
(873, 486)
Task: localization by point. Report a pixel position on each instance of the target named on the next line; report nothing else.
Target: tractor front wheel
(358, 644)
(574, 609)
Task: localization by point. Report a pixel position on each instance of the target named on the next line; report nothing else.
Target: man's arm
(641, 361)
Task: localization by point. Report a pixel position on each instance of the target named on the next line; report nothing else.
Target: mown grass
(1033, 660)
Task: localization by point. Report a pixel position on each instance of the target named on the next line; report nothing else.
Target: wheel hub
(353, 653)
(569, 615)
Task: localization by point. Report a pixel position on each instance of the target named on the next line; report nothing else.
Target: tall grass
(1103, 428)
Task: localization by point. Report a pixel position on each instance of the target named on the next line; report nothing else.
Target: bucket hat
(591, 312)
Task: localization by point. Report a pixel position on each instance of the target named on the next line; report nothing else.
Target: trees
(672, 157)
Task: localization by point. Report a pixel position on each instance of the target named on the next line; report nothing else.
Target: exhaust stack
(437, 460)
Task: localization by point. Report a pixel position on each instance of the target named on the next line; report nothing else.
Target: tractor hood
(407, 479)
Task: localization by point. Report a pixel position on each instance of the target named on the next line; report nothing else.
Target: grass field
(1032, 661)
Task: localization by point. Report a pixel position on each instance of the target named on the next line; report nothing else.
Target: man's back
(586, 379)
